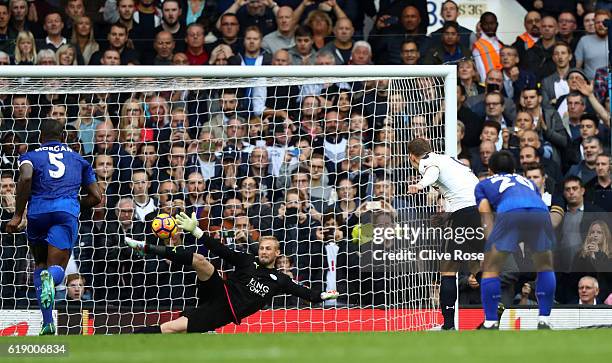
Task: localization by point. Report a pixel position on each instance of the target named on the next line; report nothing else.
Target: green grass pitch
(418, 347)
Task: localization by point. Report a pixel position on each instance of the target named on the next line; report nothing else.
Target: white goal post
(198, 135)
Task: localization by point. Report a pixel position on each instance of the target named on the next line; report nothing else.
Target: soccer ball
(164, 226)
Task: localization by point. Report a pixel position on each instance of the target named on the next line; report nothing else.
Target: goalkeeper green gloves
(189, 224)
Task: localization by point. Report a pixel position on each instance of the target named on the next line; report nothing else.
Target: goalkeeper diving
(247, 290)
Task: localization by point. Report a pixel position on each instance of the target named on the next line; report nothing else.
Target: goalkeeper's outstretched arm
(305, 293)
(190, 225)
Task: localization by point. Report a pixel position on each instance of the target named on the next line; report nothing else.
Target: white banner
(571, 318)
(509, 13)
(21, 322)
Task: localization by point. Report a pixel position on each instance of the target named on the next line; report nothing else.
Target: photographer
(294, 225)
(594, 256)
(13, 247)
(527, 295)
(331, 258)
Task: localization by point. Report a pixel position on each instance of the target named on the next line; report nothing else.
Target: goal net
(314, 156)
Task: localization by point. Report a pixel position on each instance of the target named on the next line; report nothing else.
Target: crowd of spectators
(302, 163)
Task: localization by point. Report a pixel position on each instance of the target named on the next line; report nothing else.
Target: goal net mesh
(319, 163)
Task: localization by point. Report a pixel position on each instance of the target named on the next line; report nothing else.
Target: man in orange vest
(486, 49)
(531, 35)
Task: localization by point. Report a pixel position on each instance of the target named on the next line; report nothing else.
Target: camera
(228, 233)
(373, 205)
(329, 233)
(392, 20)
(295, 152)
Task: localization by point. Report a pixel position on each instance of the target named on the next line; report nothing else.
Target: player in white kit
(456, 183)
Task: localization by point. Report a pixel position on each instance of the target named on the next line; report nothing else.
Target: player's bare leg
(174, 326)
(203, 268)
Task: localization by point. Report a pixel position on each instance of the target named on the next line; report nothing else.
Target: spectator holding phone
(594, 256)
(527, 295)
(330, 257)
(390, 31)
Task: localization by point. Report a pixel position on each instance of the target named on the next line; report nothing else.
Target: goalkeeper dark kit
(247, 290)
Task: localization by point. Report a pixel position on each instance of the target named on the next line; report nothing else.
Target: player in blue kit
(521, 216)
(50, 179)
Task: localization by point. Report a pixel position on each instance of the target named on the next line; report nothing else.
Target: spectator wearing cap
(599, 190)
(448, 49)
(387, 39)
(283, 36)
(555, 85)
(579, 84)
(449, 11)
(592, 51)
(538, 58)
(342, 44)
